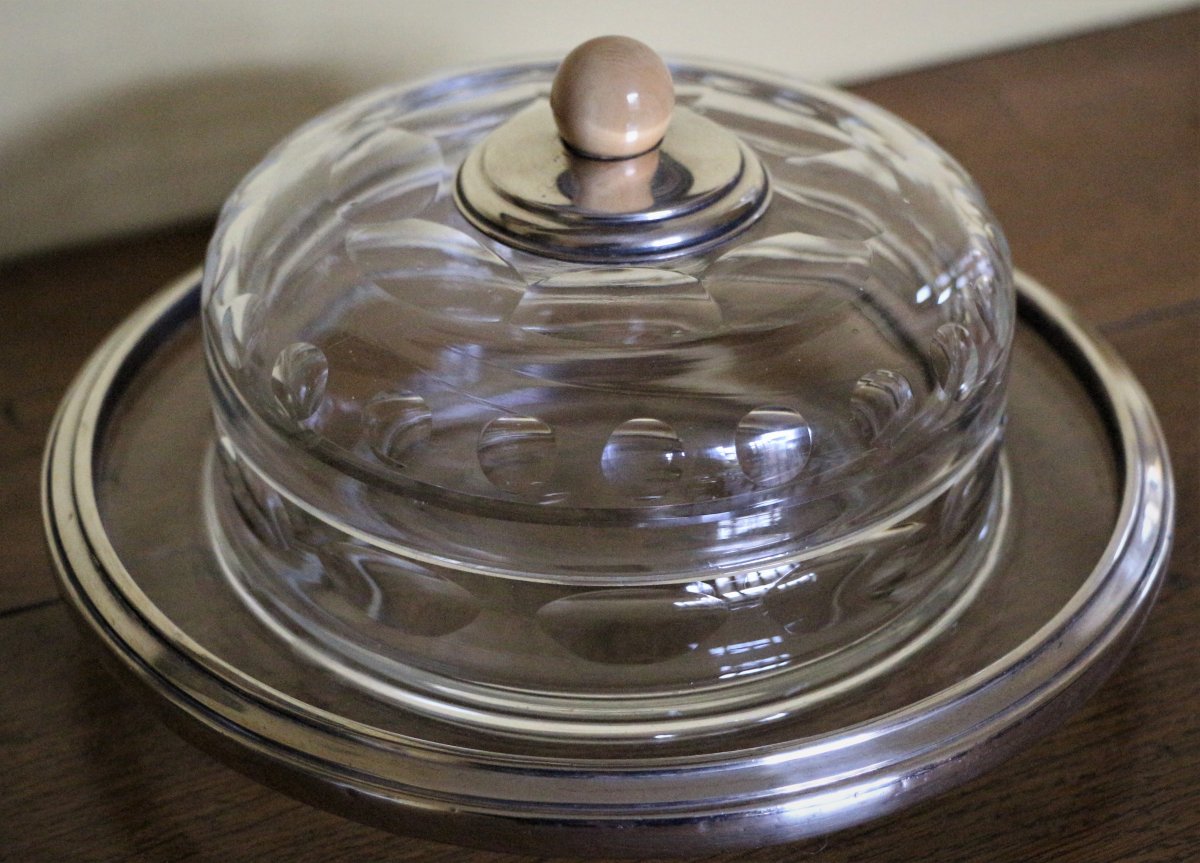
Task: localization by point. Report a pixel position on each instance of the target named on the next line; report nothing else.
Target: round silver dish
(1093, 509)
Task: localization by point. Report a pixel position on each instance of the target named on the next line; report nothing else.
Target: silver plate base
(1093, 508)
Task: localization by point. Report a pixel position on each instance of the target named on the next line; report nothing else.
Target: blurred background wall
(118, 115)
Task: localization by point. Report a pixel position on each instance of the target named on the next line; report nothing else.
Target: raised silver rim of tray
(616, 806)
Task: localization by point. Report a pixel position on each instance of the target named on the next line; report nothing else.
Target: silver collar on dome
(527, 187)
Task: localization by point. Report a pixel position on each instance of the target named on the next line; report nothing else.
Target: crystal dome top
(393, 382)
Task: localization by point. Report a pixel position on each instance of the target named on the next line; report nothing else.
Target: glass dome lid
(486, 397)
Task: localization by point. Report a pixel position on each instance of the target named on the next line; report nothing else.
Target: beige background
(121, 114)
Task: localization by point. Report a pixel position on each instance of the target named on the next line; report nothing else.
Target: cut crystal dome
(772, 458)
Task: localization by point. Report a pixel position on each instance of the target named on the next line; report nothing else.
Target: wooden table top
(1089, 152)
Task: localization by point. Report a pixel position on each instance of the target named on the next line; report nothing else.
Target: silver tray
(1093, 504)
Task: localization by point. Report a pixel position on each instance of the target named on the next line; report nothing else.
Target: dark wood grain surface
(1089, 152)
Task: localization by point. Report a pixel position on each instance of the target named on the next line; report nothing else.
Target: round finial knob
(612, 98)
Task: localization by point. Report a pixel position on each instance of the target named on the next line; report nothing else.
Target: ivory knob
(612, 98)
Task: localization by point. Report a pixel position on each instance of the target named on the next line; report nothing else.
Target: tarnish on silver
(471, 792)
(522, 186)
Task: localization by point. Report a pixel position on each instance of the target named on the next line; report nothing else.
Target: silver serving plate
(1093, 503)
